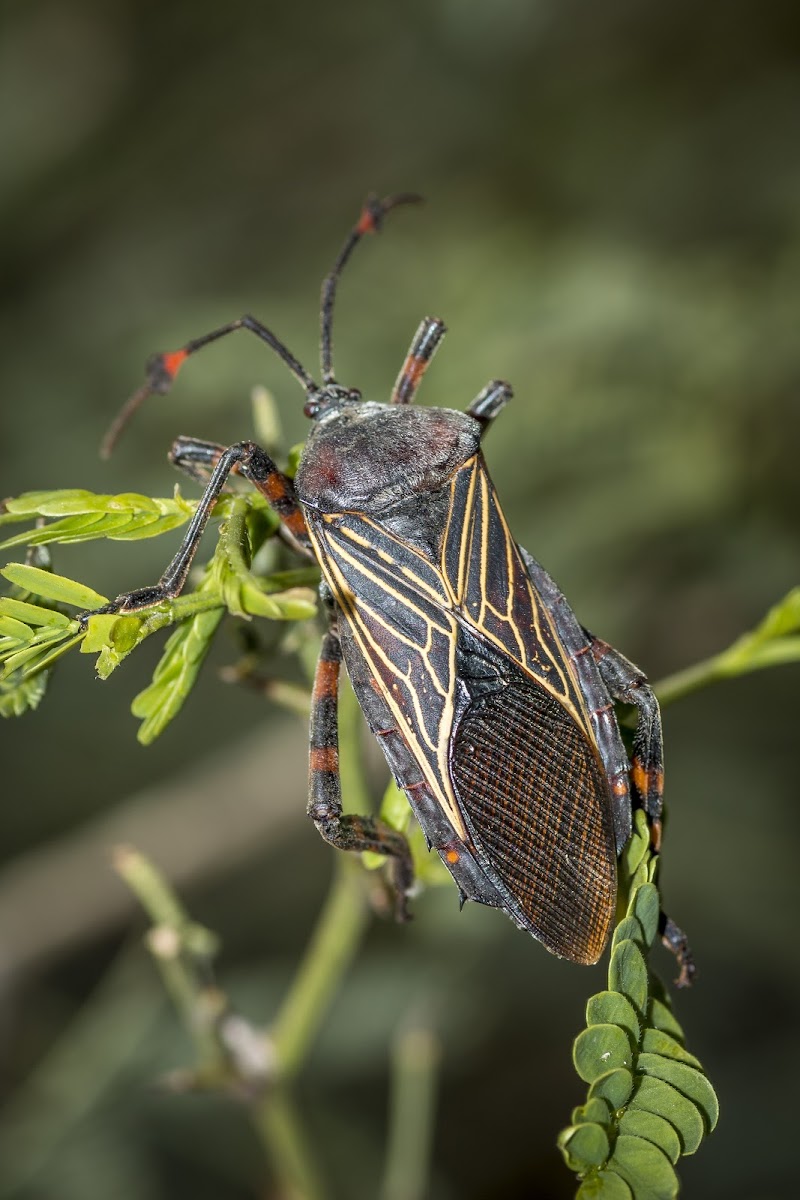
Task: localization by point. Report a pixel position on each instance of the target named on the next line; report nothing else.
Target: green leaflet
(655, 1129)
(612, 1008)
(604, 1185)
(599, 1049)
(82, 516)
(615, 1087)
(686, 1079)
(627, 973)
(32, 614)
(655, 1041)
(596, 1109)
(22, 697)
(645, 906)
(175, 674)
(659, 1016)
(14, 630)
(32, 638)
(582, 1144)
(655, 1096)
(636, 850)
(648, 1094)
(53, 587)
(645, 1168)
(33, 635)
(629, 929)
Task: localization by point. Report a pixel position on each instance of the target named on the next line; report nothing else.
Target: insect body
(493, 706)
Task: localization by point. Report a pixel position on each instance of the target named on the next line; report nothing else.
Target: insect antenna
(162, 368)
(370, 221)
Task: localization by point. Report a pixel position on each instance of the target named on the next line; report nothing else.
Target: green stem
(333, 946)
(690, 679)
(331, 950)
(181, 950)
(415, 1058)
(340, 926)
(288, 1148)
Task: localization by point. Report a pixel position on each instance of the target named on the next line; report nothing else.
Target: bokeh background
(613, 223)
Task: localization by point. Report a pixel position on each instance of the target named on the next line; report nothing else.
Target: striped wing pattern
(488, 582)
(404, 612)
(399, 613)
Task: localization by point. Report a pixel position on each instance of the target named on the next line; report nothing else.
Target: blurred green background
(613, 224)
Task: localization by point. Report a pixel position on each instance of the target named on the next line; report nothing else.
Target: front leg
(250, 461)
(627, 684)
(346, 831)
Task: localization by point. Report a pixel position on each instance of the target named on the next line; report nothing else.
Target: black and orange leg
(346, 831)
(423, 347)
(627, 684)
(255, 465)
(488, 403)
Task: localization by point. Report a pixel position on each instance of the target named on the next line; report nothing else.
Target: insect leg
(346, 831)
(423, 347)
(676, 940)
(196, 457)
(256, 466)
(487, 403)
(629, 685)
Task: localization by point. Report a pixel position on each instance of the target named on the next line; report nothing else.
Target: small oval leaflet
(635, 852)
(627, 973)
(597, 1109)
(615, 1087)
(612, 1008)
(629, 928)
(645, 905)
(652, 1128)
(688, 1080)
(604, 1185)
(655, 1041)
(600, 1049)
(584, 1146)
(660, 1016)
(654, 1095)
(645, 1168)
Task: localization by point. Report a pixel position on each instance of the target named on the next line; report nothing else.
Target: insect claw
(83, 617)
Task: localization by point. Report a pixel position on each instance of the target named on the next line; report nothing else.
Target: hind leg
(627, 684)
(346, 831)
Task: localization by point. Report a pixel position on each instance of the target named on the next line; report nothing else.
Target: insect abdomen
(537, 809)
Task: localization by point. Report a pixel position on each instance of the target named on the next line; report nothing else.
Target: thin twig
(411, 1122)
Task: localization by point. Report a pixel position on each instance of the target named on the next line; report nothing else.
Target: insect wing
(398, 612)
(529, 781)
(515, 771)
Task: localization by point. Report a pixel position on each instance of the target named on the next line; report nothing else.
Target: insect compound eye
(311, 407)
(353, 394)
